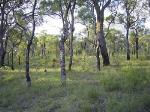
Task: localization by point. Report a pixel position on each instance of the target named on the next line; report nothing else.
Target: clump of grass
(112, 82)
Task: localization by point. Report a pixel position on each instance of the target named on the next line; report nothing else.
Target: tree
(129, 19)
(71, 33)
(15, 38)
(29, 43)
(115, 41)
(60, 8)
(6, 22)
(27, 22)
(64, 8)
(100, 7)
(88, 18)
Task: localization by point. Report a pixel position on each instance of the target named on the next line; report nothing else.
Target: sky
(54, 26)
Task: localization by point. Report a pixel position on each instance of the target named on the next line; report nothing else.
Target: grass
(122, 87)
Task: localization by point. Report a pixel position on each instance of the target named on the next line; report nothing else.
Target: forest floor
(120, 87)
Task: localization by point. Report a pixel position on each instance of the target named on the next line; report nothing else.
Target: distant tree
(115, 40)
(15, 38)
(129, 18)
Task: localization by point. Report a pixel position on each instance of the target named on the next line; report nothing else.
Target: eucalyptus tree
(88, 18)
(29, 42)
(115, 40)
(15, 38)
(26, 18)
(6, 22)
(100, 7)
(129, 18)
(72, 10)
(65, 6)
(61, 9)
(137, 30)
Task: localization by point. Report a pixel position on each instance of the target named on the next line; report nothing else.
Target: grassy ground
(121, 87)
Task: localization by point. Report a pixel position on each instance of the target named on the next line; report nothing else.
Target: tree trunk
(101, 39)
(62, 61)
(2, 56)
(103, 49)
(2, 51)
(19, 60)
(8, 58)
(100, 30)
(127, 44)
(12, 57)
(98, 58)
(2, 33)
(71, 52)
(137, 47)
(28, 79)
(72, 32)
(96, 41)
(64, 36)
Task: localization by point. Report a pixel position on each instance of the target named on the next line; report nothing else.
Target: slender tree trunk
(28, 79)
(19, 60)
(8, 58)
(137, 47)
(12, 57)
(71, 53)
(2, 56)
(2, 33)
(127, 44)
(64, 36)
(62, 61)
(2, 51)
(72, 32)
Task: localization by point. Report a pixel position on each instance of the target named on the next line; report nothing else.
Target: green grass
(122, 87)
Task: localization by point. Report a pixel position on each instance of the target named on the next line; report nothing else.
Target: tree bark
(98, 58)
(62, 61)
(3, 25)
(100, 30)
(64, 16)
(2, 56)
(2, 34)
(71, 53)
(101, 39)
(127, 44)
(137, 47)
(8, 58)
(19, 60)
(72, 32)
(96, 40)
(28, 79)
(12, 57)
